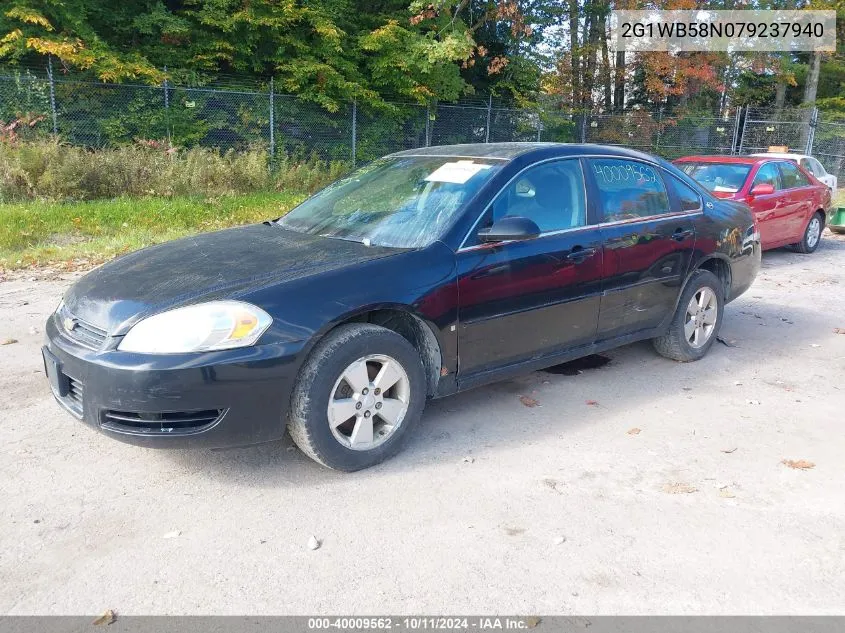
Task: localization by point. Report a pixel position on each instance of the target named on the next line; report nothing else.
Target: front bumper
(166, 400)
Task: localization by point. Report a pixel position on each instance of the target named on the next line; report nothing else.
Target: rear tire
(812, 235)
(345, 379)
(697, 319)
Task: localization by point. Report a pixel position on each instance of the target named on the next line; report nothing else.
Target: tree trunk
(780, 96)
(575, 53)
(589, 58)
(812, 85)
(605, 66)
(619, 82)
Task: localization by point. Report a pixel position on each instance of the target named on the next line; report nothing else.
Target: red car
(790, 205)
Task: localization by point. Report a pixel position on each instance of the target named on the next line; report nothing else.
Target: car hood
(205, 267)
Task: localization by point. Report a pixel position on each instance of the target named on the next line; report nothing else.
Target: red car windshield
(717, 177)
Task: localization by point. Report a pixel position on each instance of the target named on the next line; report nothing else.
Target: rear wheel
(359, 393)
(812, 235)
(697, 320)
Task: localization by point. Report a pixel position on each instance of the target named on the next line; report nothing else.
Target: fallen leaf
(591, 403)
(514, 531)
(313, 543)
(634, 431)
(107, 618)
(172, 534)
(559, 540)
(529, 401)
(729, 450)
(551, 483)
(678, 488)
(9, 341)
(801, 464)
(752, 402)
(726, 493)
(839, 330)
(533, 621)
(726, 342)
(469, 460)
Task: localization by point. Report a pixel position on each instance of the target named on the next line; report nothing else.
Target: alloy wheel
(814, 231)
(368, 402)
(702, 313)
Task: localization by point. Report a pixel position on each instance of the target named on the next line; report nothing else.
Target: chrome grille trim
(82, 332)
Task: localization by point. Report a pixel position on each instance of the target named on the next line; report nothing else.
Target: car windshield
(717, 177)
(403, 202)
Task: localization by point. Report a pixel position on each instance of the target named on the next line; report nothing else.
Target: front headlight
(198, 328)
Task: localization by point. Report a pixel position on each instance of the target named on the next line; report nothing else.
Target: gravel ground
(494, 506)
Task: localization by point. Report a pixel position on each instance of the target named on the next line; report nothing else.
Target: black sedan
(427, 272)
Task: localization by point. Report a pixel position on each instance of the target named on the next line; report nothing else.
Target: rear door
(647, 224)
(799, 192)
(525, 299)
(772, 210)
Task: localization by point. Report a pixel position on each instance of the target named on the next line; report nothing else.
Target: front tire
(697, 319)
(812, 235)
(357, 397)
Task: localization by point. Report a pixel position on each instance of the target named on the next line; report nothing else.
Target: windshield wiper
(365, 241)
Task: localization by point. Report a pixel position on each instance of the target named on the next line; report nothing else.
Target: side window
(629, 189)
(807, 163)
(816, 167)
(689, 198)
(768, 174)
(551, 194)
(791, 177)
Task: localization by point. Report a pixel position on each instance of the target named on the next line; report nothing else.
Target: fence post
(354, 130)
(539, 126)
(52, 93)
(167, 110)
(736, 130)
(811, 137)
(429, 123)
(272, 125)
(489, 112)
(744, 123)
(659, 128)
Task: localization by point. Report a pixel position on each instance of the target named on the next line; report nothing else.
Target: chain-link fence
(95, 114)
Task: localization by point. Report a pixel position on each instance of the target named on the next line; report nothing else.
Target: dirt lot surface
(644, 486)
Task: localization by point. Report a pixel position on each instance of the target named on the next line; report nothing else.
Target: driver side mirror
(508, 229)
(763, 189)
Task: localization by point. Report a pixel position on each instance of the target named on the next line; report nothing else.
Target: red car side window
(768, 174)
(791, 176)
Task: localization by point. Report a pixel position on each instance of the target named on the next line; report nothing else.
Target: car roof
(509, 151)
(781, 155)
(737, 160)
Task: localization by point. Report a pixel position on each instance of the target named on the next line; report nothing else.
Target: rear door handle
(578, 254)
(681, 234)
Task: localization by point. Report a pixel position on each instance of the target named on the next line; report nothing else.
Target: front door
(524, 299)
(648, 238)
(771, 211)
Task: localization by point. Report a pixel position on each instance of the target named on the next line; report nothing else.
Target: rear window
(791, 177)
(717, 177)
(629, 190)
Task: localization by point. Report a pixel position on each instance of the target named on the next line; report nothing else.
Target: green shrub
(47, 170)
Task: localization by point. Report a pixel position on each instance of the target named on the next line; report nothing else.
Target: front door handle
(578, 254)
(681, 234)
